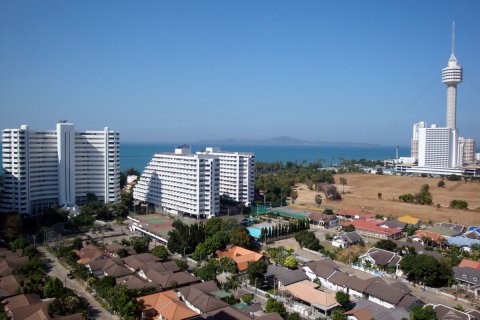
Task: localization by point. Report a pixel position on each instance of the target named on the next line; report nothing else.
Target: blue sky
(162, 71)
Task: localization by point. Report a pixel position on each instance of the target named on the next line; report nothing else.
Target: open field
(361, 193)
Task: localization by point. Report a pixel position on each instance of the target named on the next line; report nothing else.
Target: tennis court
(156, 224)
(291, 212)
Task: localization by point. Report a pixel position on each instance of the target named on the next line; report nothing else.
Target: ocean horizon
(138, 155)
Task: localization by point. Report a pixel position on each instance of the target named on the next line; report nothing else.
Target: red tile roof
(371, 226)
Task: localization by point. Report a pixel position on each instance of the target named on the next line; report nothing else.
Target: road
(96, 310)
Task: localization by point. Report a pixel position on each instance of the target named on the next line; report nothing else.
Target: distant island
(284, 140)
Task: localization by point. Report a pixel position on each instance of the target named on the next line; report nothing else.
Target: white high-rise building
(437, 147)
(466, 151)
(237, 174)
(414, 143)
(181, 183)
(58, 167)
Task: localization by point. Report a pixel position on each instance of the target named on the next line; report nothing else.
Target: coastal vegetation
(424, 197)
(459, 204)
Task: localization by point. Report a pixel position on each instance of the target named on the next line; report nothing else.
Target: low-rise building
(444, 312)
(367, 310)
(373, 229)
(201, 297)
(90, 253)
(468, 278)
(281, 276)
(379, 259)
(9, 286)
(346, 239)
(165, 306)
(240, 255)
(390, 296)
(10, 264)
(321, 270)
(112, 267)
(308, 293)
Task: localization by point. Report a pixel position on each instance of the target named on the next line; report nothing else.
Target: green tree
(343, 182)
(423, 269)
(256, 271)
(19, 244)
(294, 316)
(213, 226)
(247, 298)
(122, 252)
(274, 306)
(422, 313)
(160, 252)
(349, 228)
(207, 272)
(290, 262)
(226, 264)
(140, 244)
(12, 226)
(342, 298)
(318, 200)
(294, 195)
(441, 184)
(182, 264)
(386, 244)
(53, 288)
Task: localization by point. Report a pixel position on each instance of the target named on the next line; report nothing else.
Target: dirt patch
(361, 193)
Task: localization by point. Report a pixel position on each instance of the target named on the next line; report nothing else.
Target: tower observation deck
(452, 75)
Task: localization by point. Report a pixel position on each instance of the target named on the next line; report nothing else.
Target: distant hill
(284, 140)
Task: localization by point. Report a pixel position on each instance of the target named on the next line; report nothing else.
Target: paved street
(96, 310)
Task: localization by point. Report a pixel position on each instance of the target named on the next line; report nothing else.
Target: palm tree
(232, 284)
(294, 196)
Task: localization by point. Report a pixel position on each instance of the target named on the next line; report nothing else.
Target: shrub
(458, 204)
(247, 298)
(454, 177)
(441, 184)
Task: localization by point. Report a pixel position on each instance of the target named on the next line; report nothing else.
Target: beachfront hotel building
(181, 183)
(58, 167)
(237, 174)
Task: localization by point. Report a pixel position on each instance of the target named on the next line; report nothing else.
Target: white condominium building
(414, 144)
(58, 167)
(181, 183)
(237, 174)
(437, 147)
(466, 151)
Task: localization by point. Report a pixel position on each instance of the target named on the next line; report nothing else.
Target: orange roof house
(240, 255)
(436, 237)
(165, 305)
(308, 291)
(465, 263)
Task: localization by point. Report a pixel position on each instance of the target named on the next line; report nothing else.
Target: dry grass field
(361, 193)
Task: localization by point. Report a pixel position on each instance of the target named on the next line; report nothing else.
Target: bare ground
(361, 193)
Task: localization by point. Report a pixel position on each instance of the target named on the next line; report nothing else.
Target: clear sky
(168, 71)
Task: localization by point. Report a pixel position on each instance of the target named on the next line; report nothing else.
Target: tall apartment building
(58, 167)
(466, 151)
(237, 174)
(437, 147)
(414, 143)
(181, 183)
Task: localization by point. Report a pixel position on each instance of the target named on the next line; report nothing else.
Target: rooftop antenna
(453, 38)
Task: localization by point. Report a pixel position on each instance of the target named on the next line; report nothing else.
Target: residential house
(352, 215)
(112, 267)
(394, 223)
(226, 313)
(356, 287)
(470, 264)
(165, 306)
(446, 230)
(90, 253)
(346, 239)
(373, 228)
(308, 293)
(10, 264)
(168, 279)
(390, 296)
(202, 297)
(321, 270)
(456, 227)
(463, 242)
(379, 259)
(337, 281)
(467, 277)
(31, 307)
(444, 312)
(9, 286)
(133, 281)
(113, 248)
(281, 276)
(418, 247)
(433, 237)
(269, 316)
(322, 219)
(367, 310)
(136, 261)
(240, 255)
